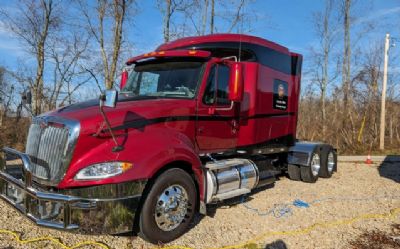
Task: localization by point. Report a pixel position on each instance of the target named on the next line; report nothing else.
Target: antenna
(240, 33)
(240, 47)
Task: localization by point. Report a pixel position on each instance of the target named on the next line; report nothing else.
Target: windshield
(175, 79)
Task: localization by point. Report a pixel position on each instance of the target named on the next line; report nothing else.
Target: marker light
(103, 170)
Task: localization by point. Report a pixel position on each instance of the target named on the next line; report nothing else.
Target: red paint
(124, 79)
(192, 128)
(236, 86)
(221, 38)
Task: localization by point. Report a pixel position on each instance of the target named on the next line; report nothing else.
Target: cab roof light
(170, 53)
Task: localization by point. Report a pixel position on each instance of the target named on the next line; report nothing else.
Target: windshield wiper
(124, 98)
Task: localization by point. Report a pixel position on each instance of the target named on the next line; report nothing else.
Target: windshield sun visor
(171, 53)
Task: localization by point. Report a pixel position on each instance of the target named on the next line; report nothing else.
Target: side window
(217, 89)
(209, 94)
(223, 85)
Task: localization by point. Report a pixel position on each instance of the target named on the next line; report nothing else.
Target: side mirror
(236, 85)
(109, 98)
(124, 79)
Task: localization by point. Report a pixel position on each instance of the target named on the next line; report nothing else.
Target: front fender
(149, 152)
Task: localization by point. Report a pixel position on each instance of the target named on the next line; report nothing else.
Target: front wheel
(169, 207)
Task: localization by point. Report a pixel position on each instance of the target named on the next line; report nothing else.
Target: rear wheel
(310, 173)
(328, 163)
(294, 172)
(169, 207)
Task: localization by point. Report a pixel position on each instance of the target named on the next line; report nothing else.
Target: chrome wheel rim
(331, 162)
(315, 164)
(171, 208)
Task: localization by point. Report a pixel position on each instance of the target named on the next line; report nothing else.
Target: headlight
(103, 170)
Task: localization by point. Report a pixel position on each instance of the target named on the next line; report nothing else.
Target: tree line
(341, 103)
(66, 40)
(75, 48)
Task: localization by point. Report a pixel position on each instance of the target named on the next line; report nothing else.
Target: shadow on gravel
(390, 168)
(278, 244)
(229, 203)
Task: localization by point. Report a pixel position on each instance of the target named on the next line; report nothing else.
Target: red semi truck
(199, 120)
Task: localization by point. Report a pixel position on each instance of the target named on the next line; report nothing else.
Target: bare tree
(235, 15)
(167, 19)
(325, 24)
(346, 77)
(204, 16)
(68, 73)
(238, 16)
(195, 22)
(3, 95)
(32, 24)
(170, 8)
(108, 20)
(212, 16)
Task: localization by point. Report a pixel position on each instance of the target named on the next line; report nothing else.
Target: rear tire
(310, 173)
(328, 163)
(294, 172)
(169, 207)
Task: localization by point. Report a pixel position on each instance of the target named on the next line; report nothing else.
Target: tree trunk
(326, 45)
(38, 85)
(204, 18)
(346, 61)
(391, 129)
(119, 15)
(212, 16)
(167, 18)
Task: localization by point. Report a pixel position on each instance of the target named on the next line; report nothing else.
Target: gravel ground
(355, 190)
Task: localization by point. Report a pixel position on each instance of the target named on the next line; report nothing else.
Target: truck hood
(128, 113)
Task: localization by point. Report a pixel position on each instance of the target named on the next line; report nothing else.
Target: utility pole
(383, 108)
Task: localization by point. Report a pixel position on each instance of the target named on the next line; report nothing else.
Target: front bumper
(99, 209)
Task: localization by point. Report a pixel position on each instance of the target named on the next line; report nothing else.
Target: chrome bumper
(98, 209)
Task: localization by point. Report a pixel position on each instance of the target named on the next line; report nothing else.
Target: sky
(287, 22)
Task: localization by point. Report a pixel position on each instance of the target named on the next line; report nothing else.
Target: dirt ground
(331, 213)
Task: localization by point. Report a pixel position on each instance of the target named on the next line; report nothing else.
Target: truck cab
(198, 120)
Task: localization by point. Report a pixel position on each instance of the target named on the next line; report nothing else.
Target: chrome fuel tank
(230, 177)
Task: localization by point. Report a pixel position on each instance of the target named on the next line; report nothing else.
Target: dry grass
(378, 239)
(13, 133)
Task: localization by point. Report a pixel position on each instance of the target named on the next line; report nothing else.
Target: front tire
(169, 207)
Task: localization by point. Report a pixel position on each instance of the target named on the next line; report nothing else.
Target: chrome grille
(50, 147)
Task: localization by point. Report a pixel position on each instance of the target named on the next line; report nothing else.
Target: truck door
(216, 127)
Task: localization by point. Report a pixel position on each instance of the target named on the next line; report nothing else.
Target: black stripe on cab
(141, 123)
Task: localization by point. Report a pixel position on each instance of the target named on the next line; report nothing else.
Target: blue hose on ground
(282, 210)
